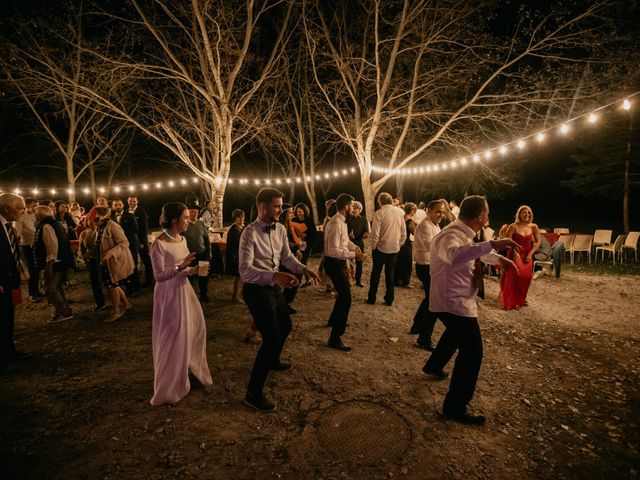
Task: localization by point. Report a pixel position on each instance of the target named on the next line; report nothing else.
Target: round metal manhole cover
(365, 433)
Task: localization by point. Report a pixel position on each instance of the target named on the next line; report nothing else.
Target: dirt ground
(560, 385)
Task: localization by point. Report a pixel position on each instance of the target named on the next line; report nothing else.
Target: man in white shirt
(455, 209)
(263, 247)
(388, 233)
(452, 298)
(420, 214)
(424, 320)
(337, 250)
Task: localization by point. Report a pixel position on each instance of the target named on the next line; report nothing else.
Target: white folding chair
(630, 243)
(581, 243)
(567, 241)
(602, 237)
(560, 230)
(615, 248)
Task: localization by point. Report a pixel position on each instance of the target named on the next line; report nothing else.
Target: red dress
(514, 287)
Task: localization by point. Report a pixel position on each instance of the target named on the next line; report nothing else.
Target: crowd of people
(268, 260)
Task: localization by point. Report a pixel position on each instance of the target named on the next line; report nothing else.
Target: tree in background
(419, 82)
(607, 163)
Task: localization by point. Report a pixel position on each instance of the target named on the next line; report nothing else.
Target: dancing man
(337, 250)
(263, 247)
(456, 276)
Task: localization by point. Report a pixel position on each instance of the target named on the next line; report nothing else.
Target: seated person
(546, 251)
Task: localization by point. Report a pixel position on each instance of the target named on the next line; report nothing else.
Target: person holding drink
(197, 238)
(179, 333)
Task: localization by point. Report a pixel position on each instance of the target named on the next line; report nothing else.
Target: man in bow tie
(452, 299)
(263, 247)
(12, 207)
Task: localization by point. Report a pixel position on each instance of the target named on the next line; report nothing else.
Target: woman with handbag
(116, 260)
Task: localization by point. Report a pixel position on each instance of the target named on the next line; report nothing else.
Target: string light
(564, 128)
(591, 118)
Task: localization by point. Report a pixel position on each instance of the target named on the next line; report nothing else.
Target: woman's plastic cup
(203, 268)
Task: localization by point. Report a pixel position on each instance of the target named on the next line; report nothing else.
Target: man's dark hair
(385, 199)
(410, 207)
(117, 199)
(237, 213)
(30, 201)
(266, 195)
(471, 207)
(343, 200)
(133, 195)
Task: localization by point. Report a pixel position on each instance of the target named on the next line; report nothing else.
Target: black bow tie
(268, 228)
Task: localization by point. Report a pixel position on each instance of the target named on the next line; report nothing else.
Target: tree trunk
(400, 188)
(625, 190)
(92, 180)
(369, 194)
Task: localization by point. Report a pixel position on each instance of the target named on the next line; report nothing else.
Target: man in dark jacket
(142, 221)
(128, 223)
(11, 209)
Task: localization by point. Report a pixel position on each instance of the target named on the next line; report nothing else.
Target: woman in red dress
(515, 285)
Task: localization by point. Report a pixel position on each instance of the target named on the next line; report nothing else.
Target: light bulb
(503, 150)
(540, 137)
(521, 144)
(476, 158)
(626, 104)
(488, 154)
(564, 128)
(593, 118)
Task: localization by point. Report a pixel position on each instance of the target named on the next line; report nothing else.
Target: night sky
(27, 158)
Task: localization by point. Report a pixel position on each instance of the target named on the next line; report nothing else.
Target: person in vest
(52, 254)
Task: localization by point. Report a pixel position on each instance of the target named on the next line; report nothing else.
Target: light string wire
(539, 136)
(146, 187)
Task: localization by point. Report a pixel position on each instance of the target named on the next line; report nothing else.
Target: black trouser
(388, 260)
(270, 311)
(146, 261)
(34, 275)
(403, 265)
(96, 282)
(290, 293)
(336, 269)
(7, 319)
(133, 282)
(203, 282)
(359, 264)
(462, 334)
(424, 320)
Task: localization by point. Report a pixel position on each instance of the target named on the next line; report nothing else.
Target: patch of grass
(630, 267)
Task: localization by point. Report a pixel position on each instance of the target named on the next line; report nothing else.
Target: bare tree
(419, 82)
(38, 68)
(201, 79)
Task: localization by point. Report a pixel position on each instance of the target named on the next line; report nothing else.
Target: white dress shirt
(262, 249)
(388, 230)
(336, 239)
(420, 215)
(26, 228)
(453, 255)
(424, 233)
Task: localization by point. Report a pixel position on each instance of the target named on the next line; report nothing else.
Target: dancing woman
(179, 334)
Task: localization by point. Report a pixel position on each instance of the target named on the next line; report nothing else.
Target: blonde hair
(519, 211)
